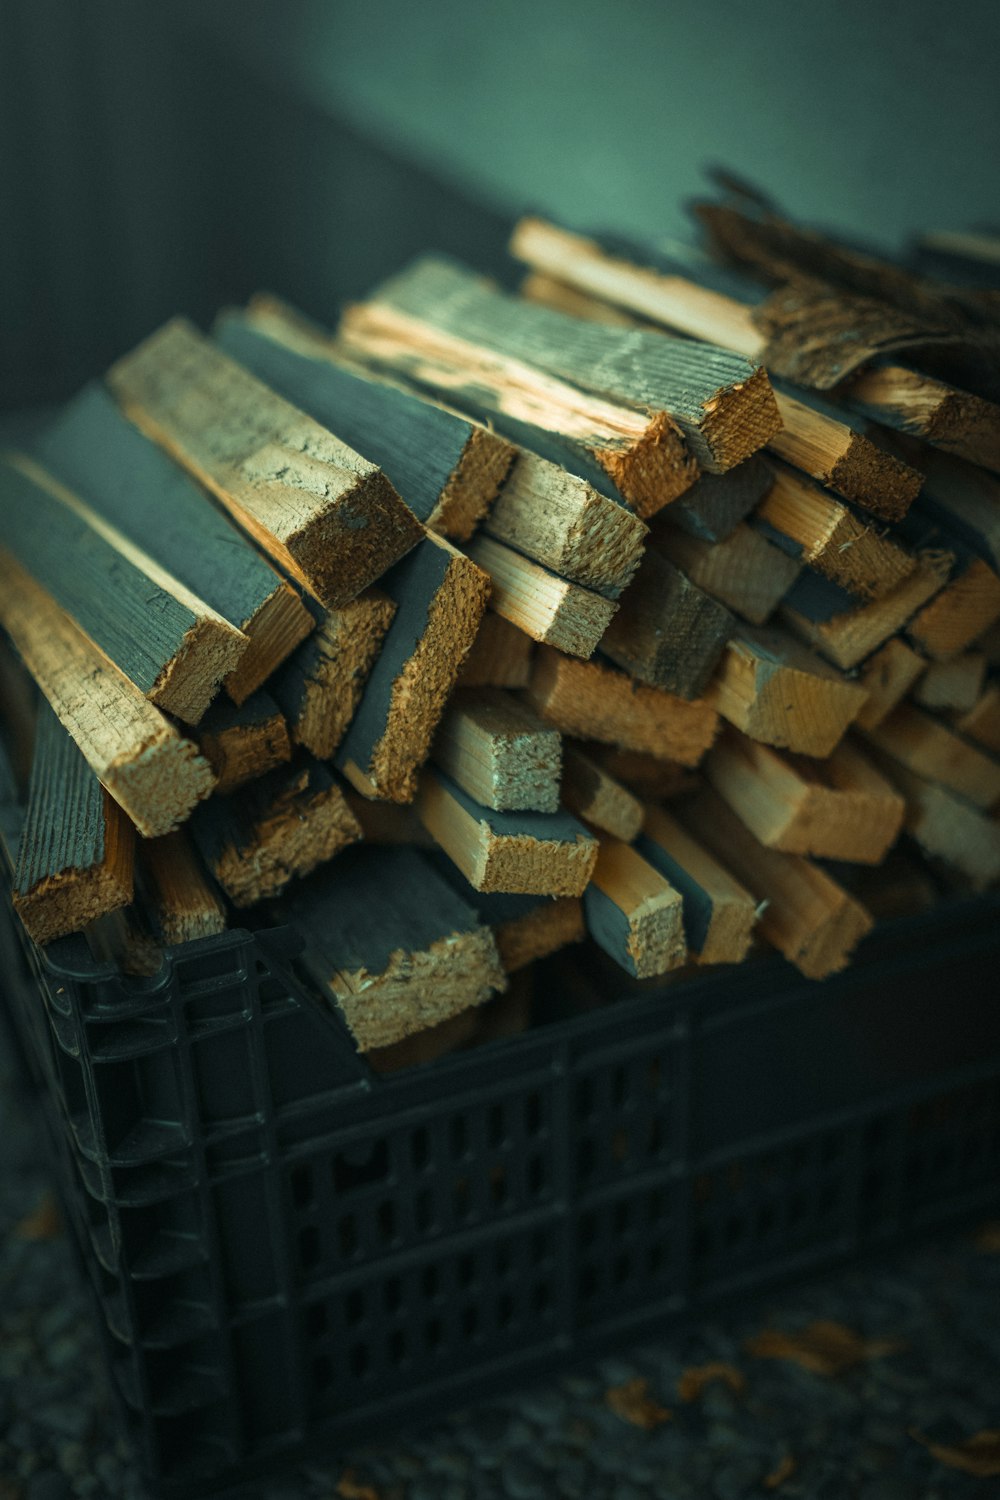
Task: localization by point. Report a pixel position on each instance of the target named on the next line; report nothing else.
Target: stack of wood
(654, 602)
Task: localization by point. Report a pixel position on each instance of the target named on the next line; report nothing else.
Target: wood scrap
(633, 912)
(546, 607)
(846, 630)
(931, 749)
(955, 684)
(499, 752)
(667, 631)
(982, 722)
(887, 677)
(242, 742)
(590, 792)
(184, 903)
(719, 913)
(745, 571)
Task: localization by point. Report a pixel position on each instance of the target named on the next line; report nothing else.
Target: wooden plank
(838, 808)
(559, 520)
(776, 691)
(932, 750)
(447, 469)
(440, 597)
(713, 507)
(832, 539)
(548, 608)
(154, 775)
(325, 514)
(593, 700)
(803, 913)
(960, 497)
(899, 887)
(548, 926)
(955, 684)
(940, 414)
(75, 857)
(500, 656)
(320, 686)
(525, 853)
(887, 677)
(499, 752)
(834, 450)
(393, 945)
(243, 742)
(634, 913)
(279, 828)
(624, 453)
(824, 442)
(745, 572)
(947, 827)
(591, 793)
(846, 631)
(130, 482)
(959, 613)
(982, 722)
(185, 905)
(947, 417)
(172, 645)
(667, 632)
(719, 914)
(722, 402)
(649, 776)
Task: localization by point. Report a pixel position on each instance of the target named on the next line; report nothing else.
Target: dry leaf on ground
(42, 1223)
(633, 1403)
(978, 1455)
(783, 1470)
(825, 1347)
(696, 1378)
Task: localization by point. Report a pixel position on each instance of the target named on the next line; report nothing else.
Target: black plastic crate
(284, 1246)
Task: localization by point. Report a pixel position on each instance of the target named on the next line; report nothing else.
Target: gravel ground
(764, 1425)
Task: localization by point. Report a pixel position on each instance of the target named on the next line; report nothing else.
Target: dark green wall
(166, 155)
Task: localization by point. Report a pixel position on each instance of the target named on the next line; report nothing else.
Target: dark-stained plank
(320, 686)
(634, 913)
(75, 858)
(133, 749)
(719, 913)
(440, 597)
(278, 828)
(667, 632)
(323, 512)
(447, 468)
(393, 945)
(242, 742)
(173, 646)
(129, 481)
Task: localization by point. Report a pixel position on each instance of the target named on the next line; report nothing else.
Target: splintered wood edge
(243, 752)
(552, 925)
(536, 867)
(186, 904)
(188, 683)
(739, 421)
(332, 694)
(287, 847)
(280, 624)
(473, 485)
(422, 689)
(68, 901)
(417, 990)
(154, 774)
(499, 753)
(943, 416)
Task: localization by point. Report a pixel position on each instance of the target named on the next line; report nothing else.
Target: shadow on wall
(144, 174)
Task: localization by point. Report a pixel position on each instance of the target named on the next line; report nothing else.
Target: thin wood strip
(548, 608)
(777, 692)
(75, 858)
(955, 684)
(624, 453)
(174, 647)
(594, 700)
(185, 904)
(129, 481)
(447, 468)
(959, 613)
(846, 631)
(591, 793)
(887, 677)
(667, 632)
(807, 916)
(440, 597)
(525, 853)
(719, 914)
(499, 752)
(154, 775)
(947, 827)
(932, 750)
(324, 513)
(634, 913)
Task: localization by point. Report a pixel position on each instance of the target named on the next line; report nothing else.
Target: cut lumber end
(243, 742)
(593, 794)
(739, 422)
(186, 906)
(473, 486)
(634, 913)
(546, 607)
(719, 913)
(274, 631)
(667, 632)
(954, 619)
(887, 677)
(63, 901)
(499, 752)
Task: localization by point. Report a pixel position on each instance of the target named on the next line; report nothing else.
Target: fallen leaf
(633, 1403)
(349, 1487)
(825, 1347)
(42, 1223)
(695, 1378)
(979, 1454)
(783, 1470)
(987, 1239)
